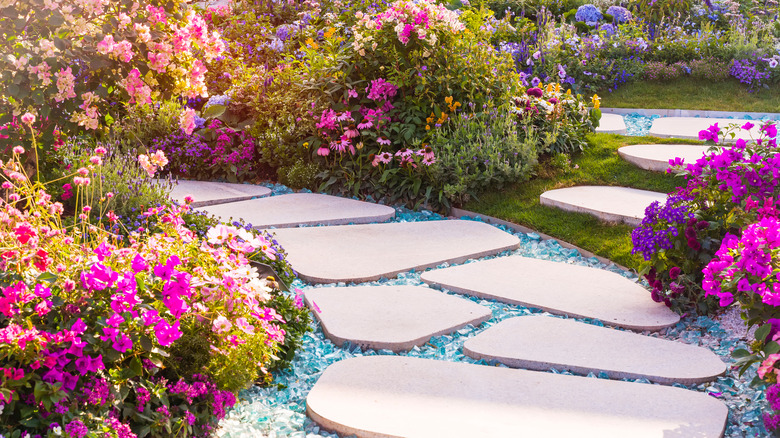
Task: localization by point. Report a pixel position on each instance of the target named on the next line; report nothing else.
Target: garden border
(688, 113)
(459, 212)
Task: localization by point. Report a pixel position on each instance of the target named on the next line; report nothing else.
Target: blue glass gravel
(280, 410)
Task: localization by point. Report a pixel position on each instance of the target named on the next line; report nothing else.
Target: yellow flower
(427, 127)
(310, 42)
(557, 88)
(568, 92)
(550, 88)
(306, 145)
(596, 101)
(448, 99)
(359, 146)
(329, 32)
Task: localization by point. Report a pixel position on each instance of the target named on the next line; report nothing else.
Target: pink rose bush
(69, 63)
(150, 335)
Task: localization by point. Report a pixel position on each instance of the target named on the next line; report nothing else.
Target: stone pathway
(611, 123)
(392, 318)
(359, 253)
(656, 157)
(298, 209)
(211, 193)
(542, 343)
(689, 127)
(611, 204)
(558, 288)
(395, 396)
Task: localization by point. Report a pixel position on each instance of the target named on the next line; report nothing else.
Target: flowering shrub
(721, 192)
(588, 14)
(150, 337)
(619, 14)
(756, 72)
(215, 152)
(71, 61)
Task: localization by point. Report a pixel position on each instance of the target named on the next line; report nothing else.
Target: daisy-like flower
(404, 153)
(323, 151)
(428, 160)
(383, 141)
(385, 157)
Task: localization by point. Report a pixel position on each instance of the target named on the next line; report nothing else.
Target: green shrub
(481, 150)
(301, 175)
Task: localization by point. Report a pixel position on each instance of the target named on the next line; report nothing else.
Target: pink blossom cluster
(79, 307)
(127, 36)
(423, 20)
(747, 265)
(345, 132)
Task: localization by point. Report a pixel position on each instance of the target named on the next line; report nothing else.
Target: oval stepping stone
(359, 253)
(397, 396)
(611, 123)
(390, 317)
(542, 342)
(557, 288)
(611, 204)
(689, 127)
(656, 157)
(210, 193)
(302, 209)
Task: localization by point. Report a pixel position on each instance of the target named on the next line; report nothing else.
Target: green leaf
(213, 111)
(763, 332)
(740, 353)
(772, 348)
(47, 277)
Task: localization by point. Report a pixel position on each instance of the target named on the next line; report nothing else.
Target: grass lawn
(688, 93)
(598, 165)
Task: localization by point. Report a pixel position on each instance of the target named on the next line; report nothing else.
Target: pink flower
(383, 141)
(323, 151)
(187, 120)
(18, 150)
(167, 334)
(221, 325)
(28, 119)
(245, 326)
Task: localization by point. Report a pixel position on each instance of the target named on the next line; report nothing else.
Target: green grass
(598, 165)
(691, 94)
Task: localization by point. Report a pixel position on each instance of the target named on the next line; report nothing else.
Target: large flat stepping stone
(302, 209)
(656, 157)
(396, 396)
(210, 193)
(689, 127)
(359, 253)
(612, 123)
(558, 288)
(541, 342)
(610, 204)
(394, 318)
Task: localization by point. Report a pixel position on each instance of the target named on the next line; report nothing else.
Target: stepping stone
(656, 157)
(390, 317)
(359, 253)
(559, 288)
(397, 396)
(611, 123)
(610, 204)
(210, 193)
(302, 209)
(543, 342)
(689, 127)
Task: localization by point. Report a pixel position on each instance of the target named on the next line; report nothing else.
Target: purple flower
(535, 92)
(76, 429)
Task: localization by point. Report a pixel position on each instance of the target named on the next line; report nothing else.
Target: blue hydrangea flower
(619, 13)
(218, 99)
(590, 14)
(608, 29)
